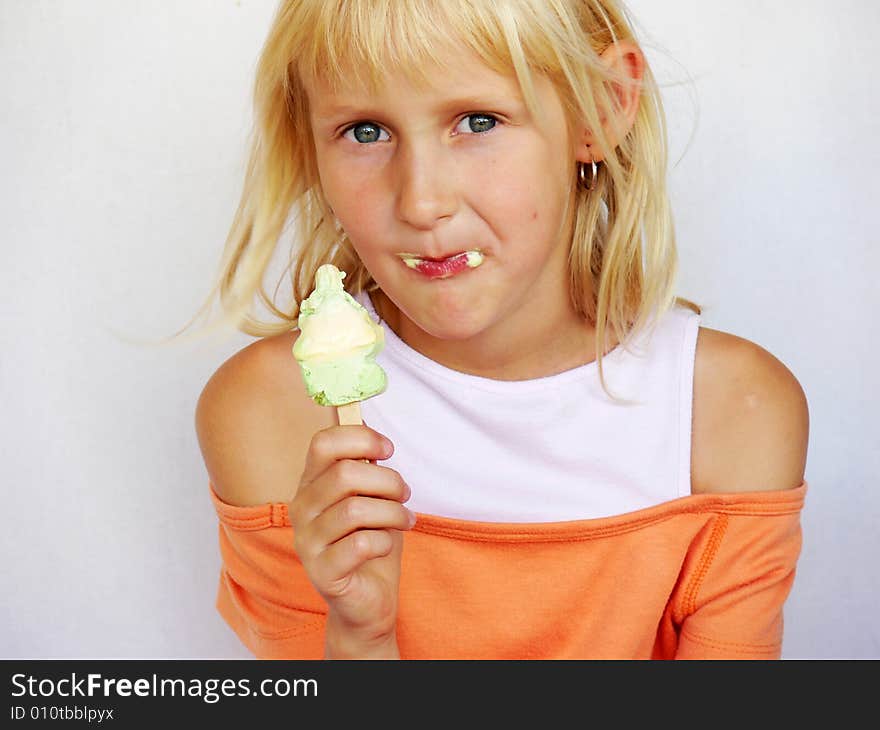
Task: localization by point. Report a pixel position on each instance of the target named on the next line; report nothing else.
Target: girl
(571, 492)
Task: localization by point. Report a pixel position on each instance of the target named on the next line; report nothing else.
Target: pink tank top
(543, 450)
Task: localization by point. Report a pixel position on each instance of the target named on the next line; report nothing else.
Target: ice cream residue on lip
(474, 258)
(338, 344)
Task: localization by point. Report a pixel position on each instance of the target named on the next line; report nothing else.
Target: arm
(254, 422)
(732, 606)
(751, 421)
(751, 429)
(339, 644)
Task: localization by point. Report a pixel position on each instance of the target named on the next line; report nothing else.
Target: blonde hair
(622, 259)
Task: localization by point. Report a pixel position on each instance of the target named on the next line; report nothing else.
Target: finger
(343, 442)
(348, 478)
(342, 558)
(357, 513)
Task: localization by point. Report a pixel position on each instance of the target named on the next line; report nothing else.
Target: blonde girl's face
(459, 167)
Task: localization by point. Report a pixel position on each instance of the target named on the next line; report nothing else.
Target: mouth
(443, 268)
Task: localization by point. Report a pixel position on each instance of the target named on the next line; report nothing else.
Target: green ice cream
(338, 344)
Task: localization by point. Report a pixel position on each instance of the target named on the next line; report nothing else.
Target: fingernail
(412, 517)
(389, 447)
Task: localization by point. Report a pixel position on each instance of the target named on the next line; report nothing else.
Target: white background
(122, 139)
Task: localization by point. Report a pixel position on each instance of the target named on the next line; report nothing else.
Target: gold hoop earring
(582, 169)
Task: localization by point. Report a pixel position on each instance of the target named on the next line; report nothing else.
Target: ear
(624, 58)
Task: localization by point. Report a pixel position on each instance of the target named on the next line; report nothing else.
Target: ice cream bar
(337, 347)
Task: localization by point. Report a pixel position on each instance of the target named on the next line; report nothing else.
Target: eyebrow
(333, 112)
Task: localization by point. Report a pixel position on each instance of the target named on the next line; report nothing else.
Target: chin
(448, 324)
(441, 312)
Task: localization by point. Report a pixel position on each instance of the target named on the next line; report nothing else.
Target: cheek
(351, 201)
(358, 210)
(527, 206)
(528, 188)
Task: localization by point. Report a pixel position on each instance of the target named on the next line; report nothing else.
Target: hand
(347, 519)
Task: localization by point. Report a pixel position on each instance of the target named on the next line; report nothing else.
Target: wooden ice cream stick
(349, 414)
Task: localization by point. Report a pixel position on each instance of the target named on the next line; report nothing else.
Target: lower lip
(442, 269)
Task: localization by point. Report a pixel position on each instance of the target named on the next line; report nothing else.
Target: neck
(524, 346)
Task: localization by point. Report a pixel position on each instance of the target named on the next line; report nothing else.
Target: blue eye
(482, 121)
(367, 132)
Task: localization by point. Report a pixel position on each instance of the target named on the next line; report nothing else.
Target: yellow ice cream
(338, 344)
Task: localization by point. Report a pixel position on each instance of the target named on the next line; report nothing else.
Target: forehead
(463, 76)
(347, 51)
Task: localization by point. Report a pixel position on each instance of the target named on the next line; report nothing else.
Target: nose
(426, 187)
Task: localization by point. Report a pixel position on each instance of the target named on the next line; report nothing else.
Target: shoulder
(254, 421)
(750, 418)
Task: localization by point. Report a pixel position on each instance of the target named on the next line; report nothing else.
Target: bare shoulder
(750, 418)
(254, 422)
